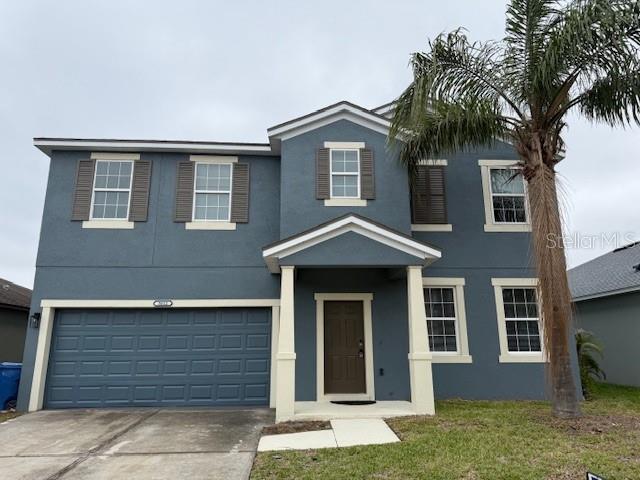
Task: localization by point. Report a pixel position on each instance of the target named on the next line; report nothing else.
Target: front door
(344, 369)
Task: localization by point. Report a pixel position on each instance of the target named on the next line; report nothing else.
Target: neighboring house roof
(350, 222)
(610, 274)
(337, 111)
(13, 295)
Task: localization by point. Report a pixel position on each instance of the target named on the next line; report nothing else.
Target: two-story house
(307, 270)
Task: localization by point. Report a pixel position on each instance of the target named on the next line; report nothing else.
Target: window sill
(516, 227)
(523, 358)
(455, 358)
(209, 226)
(345, 202)
(109, 224)
(431, 227)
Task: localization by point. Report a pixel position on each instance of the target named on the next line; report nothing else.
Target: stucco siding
(615, 321)
(13, 329)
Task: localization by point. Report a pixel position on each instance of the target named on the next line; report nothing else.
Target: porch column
(286, 357)
(419, 354)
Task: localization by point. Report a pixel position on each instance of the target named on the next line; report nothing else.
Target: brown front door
(344, 370)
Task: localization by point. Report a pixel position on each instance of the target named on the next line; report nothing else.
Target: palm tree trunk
(555, 296)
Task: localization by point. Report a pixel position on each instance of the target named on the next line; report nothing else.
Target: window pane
(509, 209)
(213, 177)
(506, 180)
(441, 324)
(212, 206)
(344, 186)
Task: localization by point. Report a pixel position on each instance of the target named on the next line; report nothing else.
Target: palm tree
(557, 57)
(589, 349)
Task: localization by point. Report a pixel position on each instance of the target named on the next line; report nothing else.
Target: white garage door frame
(36, 397)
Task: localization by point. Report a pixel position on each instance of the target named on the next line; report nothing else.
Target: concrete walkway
(343, 433)
(131, 443)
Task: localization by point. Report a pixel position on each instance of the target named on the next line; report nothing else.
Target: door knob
(361, 353)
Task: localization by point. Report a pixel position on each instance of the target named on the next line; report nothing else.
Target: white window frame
(505, 355)
(334, 201)
(462, 342)
(111, 223)
(202, 224)
(490, 223)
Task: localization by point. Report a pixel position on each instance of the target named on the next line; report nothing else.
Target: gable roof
(332, 113)
(14, 295)
(350, 222)
(610, 274)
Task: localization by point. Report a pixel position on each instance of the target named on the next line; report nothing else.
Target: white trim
(462, 355)
(286, 356)
(209, 225)
(213, 159)
(490, 224)
(344, 145)
(148, 303)
(344, 174)
(505, 355)
(41, 363)
(366, 299)
(95, 189)
(431, 227)
(275, 332)
(607, 294)
(108, 224)
(115, 156)
(47, 145)
(337, 112)
(436, 162)
(345, 202)
(348, 224)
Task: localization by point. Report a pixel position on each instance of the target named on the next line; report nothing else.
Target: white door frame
(366, 299)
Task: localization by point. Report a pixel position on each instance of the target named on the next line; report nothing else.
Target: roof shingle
(14, 295)
(607, 274)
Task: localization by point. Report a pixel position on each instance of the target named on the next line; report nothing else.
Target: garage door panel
(159, 357)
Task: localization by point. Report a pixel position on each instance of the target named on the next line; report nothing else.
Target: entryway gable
(421, 253)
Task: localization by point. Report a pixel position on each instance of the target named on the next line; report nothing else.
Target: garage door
(161, 357)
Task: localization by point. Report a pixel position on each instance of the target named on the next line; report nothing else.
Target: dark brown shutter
(240, 193)
(367, 178)
(322, 174)
(84, 186)
(184, 192)
(428, 198)
(140, 191)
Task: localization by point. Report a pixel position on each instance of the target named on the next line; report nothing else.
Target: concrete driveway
(131, 444)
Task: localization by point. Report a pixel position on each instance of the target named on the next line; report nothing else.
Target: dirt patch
(295, 427)
(594, 424)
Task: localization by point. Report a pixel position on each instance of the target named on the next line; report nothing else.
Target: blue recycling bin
(9, 381)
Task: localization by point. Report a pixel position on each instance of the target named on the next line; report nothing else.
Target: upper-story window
(111, 190)
(505, 196)
(212, 192)
(508, 197)
(345, 173)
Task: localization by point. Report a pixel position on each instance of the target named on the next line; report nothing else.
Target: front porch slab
(332, 411)
(362, 431)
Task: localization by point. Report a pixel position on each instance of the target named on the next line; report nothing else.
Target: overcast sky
(221, 70)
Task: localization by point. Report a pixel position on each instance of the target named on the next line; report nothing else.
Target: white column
(419, 354)
(36, 396)
(286, 357)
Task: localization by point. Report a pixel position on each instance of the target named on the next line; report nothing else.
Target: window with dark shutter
(428, 197)
(240, 193)
(140, 186)
(322, 174)
(83, 190)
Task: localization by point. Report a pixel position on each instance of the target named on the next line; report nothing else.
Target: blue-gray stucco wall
(615, 321)
(158, 258)
(299, 208)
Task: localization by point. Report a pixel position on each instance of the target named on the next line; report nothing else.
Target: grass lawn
(475, 440)
(7, 415)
